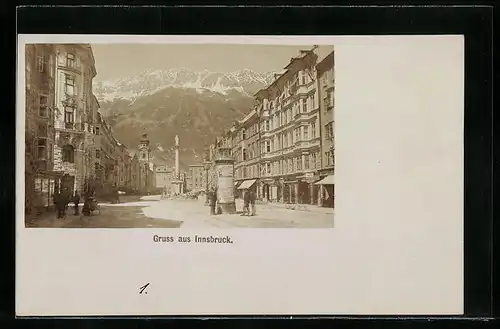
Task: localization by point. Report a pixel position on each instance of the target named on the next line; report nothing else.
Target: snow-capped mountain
(246, 82)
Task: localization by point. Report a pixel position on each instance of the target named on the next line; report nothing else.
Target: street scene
(176, 136)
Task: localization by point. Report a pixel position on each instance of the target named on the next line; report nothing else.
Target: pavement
(154, 212)
(194, 214)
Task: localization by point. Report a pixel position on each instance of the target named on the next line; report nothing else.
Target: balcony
(69, 65)
(306, 144)
(304, 116)
(302, 90)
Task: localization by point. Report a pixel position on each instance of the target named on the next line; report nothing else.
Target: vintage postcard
(216, 175)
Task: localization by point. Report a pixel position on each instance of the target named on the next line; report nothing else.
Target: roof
(303, 56)
(248, 117)
(326, 63)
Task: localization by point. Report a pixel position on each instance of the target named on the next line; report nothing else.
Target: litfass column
(224, 169)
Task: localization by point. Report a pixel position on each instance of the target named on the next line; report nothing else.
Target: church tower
(144, 176)
(144, 149)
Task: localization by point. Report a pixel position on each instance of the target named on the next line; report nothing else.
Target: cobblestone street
(150, 212)
(116, 216)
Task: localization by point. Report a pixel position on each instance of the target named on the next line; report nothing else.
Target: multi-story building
(107, 155)
(73, 150)
(40, 179)
(246, 150)
(196, 179)
(285, 145)
(290, 135)
(326, 88)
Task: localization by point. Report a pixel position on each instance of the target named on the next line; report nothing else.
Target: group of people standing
(62, 199)
(248, 203)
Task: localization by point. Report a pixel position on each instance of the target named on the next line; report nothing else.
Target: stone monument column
(177, 182)
(224, 168)
(177, 157)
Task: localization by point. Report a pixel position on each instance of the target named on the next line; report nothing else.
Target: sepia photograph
(179, 135)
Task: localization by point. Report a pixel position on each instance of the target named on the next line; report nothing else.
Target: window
(69, 117)
(313, 101)
(268, 146)
(70, 60)
(245, 156)
(313, 130)
(306, 132)
(304, 105)
(42, 110)
(42, 148)
(267, 125)
(329, 130)
(68, 154)
(298, 163)
(244, 133)
(69, 85)
(98, 154)
(40, 64)
(313, 160)
(297, 134)
(306, 161)
(302, 77)
(42, 130)
(144, 155)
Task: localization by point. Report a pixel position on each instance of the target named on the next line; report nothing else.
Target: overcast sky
(117, 60)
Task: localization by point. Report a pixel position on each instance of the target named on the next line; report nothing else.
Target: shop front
(47, 183)
(247, 185)
(327, 191)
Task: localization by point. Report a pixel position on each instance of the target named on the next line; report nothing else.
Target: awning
(328, 180)
(246, 184)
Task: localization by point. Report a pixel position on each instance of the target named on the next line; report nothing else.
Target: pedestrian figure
(212, 197)
(246, 204)
(58, 202)
(252, 202)
(76, 201)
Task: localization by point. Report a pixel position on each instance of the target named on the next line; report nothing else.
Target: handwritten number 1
(143, 288)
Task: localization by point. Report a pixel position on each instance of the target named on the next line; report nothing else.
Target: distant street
(152, 212)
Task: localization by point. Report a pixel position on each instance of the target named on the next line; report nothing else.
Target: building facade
(290, 133)
(40, 179)
(74, 146)
(68, 144)
(196, 178)
(284, 148)
(326, 88)
(245, 143)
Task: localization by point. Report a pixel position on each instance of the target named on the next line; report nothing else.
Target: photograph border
(475, 23)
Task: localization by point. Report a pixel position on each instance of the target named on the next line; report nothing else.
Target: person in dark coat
(58, 202)
(212, 198)
(251, 200)
(76, 201)
(246, 204)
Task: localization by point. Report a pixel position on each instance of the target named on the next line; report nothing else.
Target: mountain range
(196, 106)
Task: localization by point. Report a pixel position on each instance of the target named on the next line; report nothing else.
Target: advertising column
(224, 168)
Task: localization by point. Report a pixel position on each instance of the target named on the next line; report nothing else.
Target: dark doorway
(304, 193)
(68, 183)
